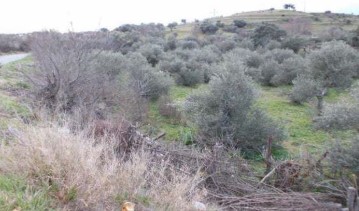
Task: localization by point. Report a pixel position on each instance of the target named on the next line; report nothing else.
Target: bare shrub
(133, 106)
(124, 135)
(72, 71)
(84, 174)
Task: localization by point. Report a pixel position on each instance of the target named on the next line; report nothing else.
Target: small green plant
(186, 137)
(144, 200)
(16, 194)
(71, 194)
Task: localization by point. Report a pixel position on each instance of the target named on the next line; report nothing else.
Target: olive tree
(208, 27)
(152, 52)
(239, 23)
(267, 32)
(140, 82)
(146, 81)
(226, 111)
(304, 89)
(345, 157)
(172, 25)
(341, 115)
(334, 64)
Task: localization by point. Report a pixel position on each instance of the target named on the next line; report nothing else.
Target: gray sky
(18, 16)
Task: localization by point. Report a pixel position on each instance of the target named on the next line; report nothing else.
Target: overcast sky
(19, 16)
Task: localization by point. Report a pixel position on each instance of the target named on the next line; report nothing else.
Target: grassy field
(297, 120)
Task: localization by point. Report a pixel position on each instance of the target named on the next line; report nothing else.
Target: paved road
(12, 57)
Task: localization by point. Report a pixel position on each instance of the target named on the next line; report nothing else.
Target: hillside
(319, 22)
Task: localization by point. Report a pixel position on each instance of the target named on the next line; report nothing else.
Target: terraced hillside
(319, 22)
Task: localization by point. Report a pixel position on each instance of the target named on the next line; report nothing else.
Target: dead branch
(159, 136)
(268, 175)
(352, 199)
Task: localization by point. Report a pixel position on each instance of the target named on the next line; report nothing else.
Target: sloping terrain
(319, 22)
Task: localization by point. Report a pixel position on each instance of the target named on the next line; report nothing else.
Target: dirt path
(11, 58)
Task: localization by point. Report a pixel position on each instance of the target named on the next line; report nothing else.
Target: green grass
(176, 130)
(297, 120)
(11, 106)
(12, 78)
(180, 93)
(11, 81)
(16, 194)
(334, 95)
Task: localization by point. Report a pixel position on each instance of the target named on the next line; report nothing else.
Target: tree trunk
(268, 155)
(320, 97)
